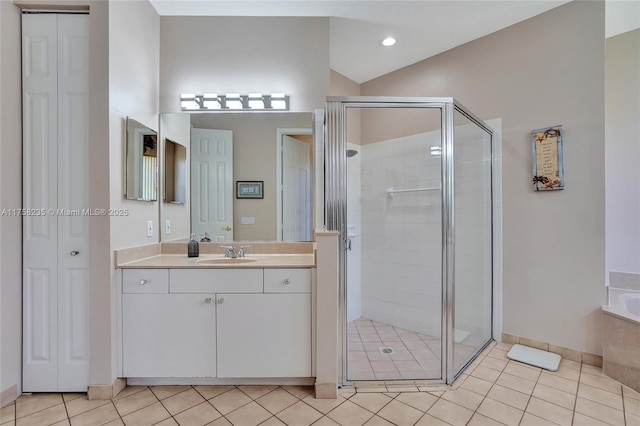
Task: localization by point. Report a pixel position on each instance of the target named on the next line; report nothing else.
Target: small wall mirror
(141, 162)
(175, 172)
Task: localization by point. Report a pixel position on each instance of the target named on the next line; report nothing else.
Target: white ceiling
(423, 28)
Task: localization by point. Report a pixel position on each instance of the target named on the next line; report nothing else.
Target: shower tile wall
(401, 236)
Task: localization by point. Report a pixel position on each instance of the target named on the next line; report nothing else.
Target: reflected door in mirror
(212, 183)
(296, 190)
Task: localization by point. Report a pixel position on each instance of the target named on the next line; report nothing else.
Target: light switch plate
(149, 228)
(167, 226)
(247, 220)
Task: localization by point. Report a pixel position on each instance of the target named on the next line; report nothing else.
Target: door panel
(40, 237)
(40, 354)
(296, 190)
(73, 195)
(212, 183)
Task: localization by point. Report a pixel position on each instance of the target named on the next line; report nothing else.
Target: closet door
(55, 246)
(73, 195)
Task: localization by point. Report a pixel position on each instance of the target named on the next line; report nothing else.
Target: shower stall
(409, 186)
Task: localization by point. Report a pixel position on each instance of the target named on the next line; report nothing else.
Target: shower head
(351, 153)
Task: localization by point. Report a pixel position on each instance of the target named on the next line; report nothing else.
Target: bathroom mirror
(175, 172)
(264, 147)
(141, 162)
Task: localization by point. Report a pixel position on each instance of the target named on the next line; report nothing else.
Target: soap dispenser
(193, 248)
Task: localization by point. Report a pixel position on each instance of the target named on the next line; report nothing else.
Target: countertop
(251, 261)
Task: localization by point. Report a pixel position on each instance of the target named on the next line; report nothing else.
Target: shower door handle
(347, 244)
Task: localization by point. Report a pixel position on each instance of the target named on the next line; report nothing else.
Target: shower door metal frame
(336, 211)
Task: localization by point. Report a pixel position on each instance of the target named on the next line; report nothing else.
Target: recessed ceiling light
(388, 41)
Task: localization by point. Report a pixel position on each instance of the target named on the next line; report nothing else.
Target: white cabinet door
(264, 335)
(169, 335)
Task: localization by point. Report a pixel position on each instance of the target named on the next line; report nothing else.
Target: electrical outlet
(167, 226)
(149, 228)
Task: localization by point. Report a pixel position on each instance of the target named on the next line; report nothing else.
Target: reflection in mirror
(141, 162)
(262, 150)
(175, 172)
(212, 184)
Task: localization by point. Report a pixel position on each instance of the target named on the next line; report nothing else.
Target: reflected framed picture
(249, 189)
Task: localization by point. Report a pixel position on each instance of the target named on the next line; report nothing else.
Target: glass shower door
(472, 241)
(394, 249)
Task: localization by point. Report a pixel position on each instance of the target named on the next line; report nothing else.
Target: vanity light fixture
(189, 101)
(211, 101)
(388, 41)
(234, 102)
(256, 101)
(279, 101)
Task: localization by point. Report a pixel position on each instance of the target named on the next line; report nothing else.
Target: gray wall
(133, 32)
(623, 152)
(237, 54)
(545, 71)
(101, 294)
(10, 198)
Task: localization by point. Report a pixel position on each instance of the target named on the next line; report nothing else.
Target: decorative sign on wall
(548, 161)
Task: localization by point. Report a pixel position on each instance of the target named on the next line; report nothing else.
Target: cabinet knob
(74, 252)
(143, 281)
(287, 281)
(207, 300)
(221, 300)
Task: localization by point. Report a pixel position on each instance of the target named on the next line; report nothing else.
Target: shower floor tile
(413, 356)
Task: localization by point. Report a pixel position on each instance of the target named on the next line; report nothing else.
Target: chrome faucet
(240, 252)
(230, 251)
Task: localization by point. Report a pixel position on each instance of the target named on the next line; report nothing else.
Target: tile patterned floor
(493, 391)
(415, 355)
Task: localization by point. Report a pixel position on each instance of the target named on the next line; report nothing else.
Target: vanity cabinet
(227, 323)
(164, 334)
(264, 335)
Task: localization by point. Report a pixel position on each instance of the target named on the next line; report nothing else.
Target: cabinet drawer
(287, 281)
(216, 280)
(145, 281)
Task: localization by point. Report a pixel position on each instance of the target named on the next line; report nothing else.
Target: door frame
(280, 132)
